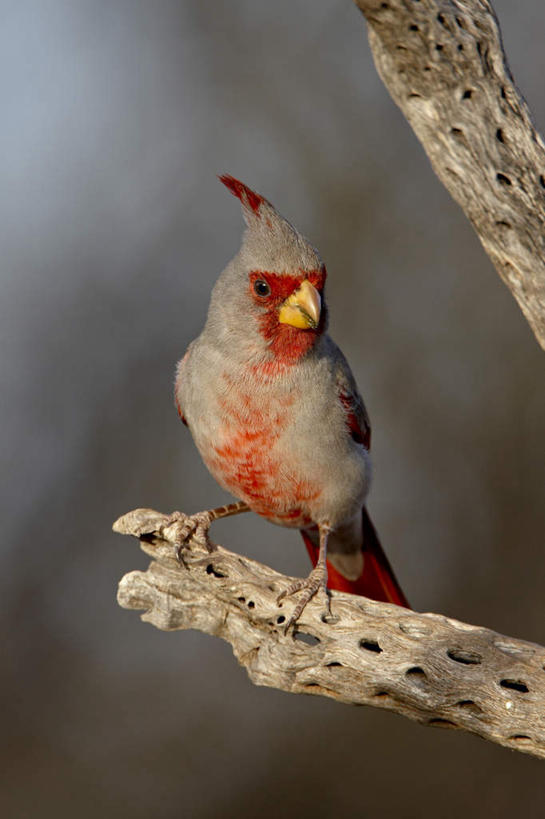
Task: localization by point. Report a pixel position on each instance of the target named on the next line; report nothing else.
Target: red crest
(247, 196)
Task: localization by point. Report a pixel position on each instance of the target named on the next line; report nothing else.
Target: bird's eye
(261, 288)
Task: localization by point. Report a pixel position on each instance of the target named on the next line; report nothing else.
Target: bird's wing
(357, 420)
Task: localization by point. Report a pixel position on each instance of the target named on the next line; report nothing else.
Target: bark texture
(427, 667)
(443, 64)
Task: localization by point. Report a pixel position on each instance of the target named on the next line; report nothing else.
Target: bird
(275, 412)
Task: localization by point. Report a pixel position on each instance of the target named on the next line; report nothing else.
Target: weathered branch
(427, 667)
(443, 64)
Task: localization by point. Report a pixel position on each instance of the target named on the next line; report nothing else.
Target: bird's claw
(190, 526)
(310, 585)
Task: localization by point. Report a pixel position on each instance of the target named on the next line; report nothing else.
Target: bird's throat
(286, 343)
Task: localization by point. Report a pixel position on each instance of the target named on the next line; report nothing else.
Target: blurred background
(116, 116)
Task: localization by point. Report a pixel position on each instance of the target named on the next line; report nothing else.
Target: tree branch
(443, 64)
(428, 667)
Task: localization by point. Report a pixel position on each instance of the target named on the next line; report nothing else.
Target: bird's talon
(179, 550)
(310, 585)
(287, 626)
(190, 526)
(326, 616)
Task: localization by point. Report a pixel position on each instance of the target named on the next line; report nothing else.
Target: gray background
(116, 116)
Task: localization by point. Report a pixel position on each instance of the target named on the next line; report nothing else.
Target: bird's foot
(189, 526)
(309, 586)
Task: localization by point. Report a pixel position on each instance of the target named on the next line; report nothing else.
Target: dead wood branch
(443, 64)
(427, 667)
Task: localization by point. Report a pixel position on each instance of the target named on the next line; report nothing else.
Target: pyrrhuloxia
(275, 411)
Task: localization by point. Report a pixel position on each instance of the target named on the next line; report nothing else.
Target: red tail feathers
(377, 579)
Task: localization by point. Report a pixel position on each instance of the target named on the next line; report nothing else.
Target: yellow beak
(302, 308)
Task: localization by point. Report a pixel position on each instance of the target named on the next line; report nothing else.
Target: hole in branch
(468, 93)
(441, 19)
(470, 707)
(334, 664)
(439, 47)
(503, 224)
(542, 180)
(417, 676)
(460, 47)
(457, 132)
(216, 572)
(515, 685)
(503, 179)
(241, 599)
(281, 619)
(371, 645)
(304, 637)
(519, 737)
(464, 657)
(439, 722)
(149, 537)
(413, 27)
(503, 94)
(459, 22)
(499, 135)
(251, 604)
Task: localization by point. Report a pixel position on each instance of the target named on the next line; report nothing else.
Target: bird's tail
(377, 579)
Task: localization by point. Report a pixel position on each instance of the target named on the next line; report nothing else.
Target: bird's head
(271, 296)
